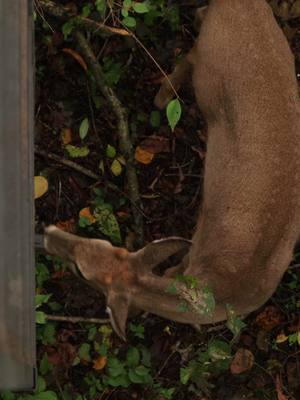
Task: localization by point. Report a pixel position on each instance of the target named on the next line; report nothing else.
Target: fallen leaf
(116, 168)
(278, 385)
(263, 340)
(281, 338)
(143, 156)
(155, 144)
(269, 318)
(86, 213)
(76, 56)
(40, 186)
(242, 361)
(99, 363)
(66, 136)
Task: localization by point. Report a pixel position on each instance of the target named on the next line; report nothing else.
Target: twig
(60, 11)
(76, 320)
(123, 131)
(87, 172)
(68, 163)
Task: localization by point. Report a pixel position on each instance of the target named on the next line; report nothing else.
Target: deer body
(245, 85)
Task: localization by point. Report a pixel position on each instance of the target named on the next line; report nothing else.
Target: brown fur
(245, 85)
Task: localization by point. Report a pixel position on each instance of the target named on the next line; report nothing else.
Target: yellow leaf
(167, 330)
(40, 186)
(298, 338)
(143, 156)
(86, 213)
(99, 363)
(116, 168)
(281, 338)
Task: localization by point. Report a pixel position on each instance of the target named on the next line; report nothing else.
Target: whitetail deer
(245, 85)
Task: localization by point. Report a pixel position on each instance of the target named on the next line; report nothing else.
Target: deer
(249, 220)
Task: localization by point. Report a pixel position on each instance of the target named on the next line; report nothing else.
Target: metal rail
(17, 327)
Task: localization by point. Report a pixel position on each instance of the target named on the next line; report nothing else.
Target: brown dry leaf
(99, 363)
(86, 213)
(156, 144)
(66, 136)
(59, 274)
(77, 57)
(242, 361)
(67, 226)
(278, 385)
(269, 318)
(122, 215)
(143, 156)
(40, 186)
(281, 338)
(263, 340)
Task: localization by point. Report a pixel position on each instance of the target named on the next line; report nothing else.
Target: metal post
(17, 328)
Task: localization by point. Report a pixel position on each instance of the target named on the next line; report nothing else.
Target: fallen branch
(123, 131)
(59, 11)
(76, 320)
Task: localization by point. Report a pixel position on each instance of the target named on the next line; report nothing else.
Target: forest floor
(75, 123)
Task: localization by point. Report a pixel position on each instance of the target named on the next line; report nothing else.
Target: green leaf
(116, 168)
(173, 113)
(41, 298)
(40, 385)
(67, 28)
(140, 8)
(7, 395)
(115, 367)
(42, 274)
(219, 350)
(48, 395)
(167, 393)
(146, 357)
(234, 323)
(118, 381)
(77, 152)
(84, 128)
(139, 374)
(45, 366)
(54, 305)
(101, 7)
(111, 152)
(48, 336)
(133, 357)
(84, 352)
(112, 71)
(137, 330)
(130, 22)
(209, 300)
(155, 119)
(185, 374)
(40, 317)
(86, 10)
(108, 223)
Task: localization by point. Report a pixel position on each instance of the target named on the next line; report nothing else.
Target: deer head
(245, 85)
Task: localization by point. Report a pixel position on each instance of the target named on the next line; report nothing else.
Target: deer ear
(158, 251)
(117, 309)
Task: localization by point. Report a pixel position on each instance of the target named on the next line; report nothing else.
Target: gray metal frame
(17, 318)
